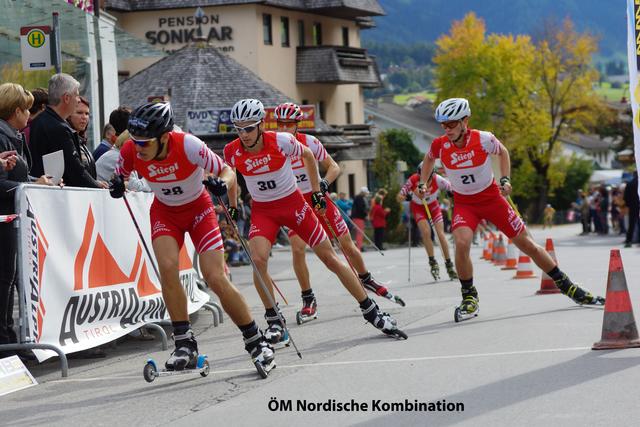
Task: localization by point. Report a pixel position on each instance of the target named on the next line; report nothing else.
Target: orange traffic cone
(485, 247)
(618, 325)
(547, 285)
(494, 249)
(489, 253)
(501, 253)
(525, 267)
(512, 259)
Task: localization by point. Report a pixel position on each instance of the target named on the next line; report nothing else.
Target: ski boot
(261, 353)
(451, 270)
(577, 294)
(276, 334)
(183, 360)
(381, 290)
(309, 310)
(383, 321)
(435, 269)
(469, 307)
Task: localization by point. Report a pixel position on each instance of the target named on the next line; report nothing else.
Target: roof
(336, 64)
(419, 119)
(590, 141)
(340, 8)
(215, 81)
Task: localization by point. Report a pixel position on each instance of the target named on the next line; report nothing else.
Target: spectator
(14, 114)
(7, 160)
(345, 205)
(359, 212)
(40, 100)
(79, 121)
(50, 133)
(106, 165)
(378, 217)
(603, 210)
(585, 214)
(617, 209)
(632, 202)
(108, 139)
(548, 214)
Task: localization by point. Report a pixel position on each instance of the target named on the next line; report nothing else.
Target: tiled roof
(419, 118)
(333, 64)
(199, 77)
(344, 8)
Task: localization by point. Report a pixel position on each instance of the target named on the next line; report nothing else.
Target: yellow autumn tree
(530, 94)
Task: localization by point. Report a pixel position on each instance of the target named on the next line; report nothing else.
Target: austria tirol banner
(85, 273)
(633, 55)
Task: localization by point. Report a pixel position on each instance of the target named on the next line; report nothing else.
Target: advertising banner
(633, 50)
(87, 277)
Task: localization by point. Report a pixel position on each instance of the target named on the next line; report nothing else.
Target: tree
(529, 94)
(384, 165)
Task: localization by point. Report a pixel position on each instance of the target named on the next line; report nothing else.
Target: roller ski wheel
(388, 325)
(581, 296)
(263, 358)
(150, 371)
(467, 310)
(395, 299)
(308, 313)
(263, 370)
(435, 270)
(451, 271)
(397, 333)
(301, 318)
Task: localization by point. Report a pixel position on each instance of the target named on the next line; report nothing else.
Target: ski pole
(257, 273)
(344, 215)
(144, 243)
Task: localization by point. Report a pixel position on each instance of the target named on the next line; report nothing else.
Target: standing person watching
(40, 100)
(14, 113)
(50, 132)
(359, 212)
(108, 138)
(466, 156)
(79, 121)
(378, 217)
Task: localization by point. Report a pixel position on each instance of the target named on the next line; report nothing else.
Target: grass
(402, 99)
(610, 94)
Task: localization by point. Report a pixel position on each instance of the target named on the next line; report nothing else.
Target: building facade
(307, 49)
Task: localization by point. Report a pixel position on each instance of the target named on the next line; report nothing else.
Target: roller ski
(451, 270)
(381, 290)
(382, 320)
(309, 310)
(577, 294)
(183, 360)
(261, 353)
(275, 334)
(435, 269)
(468, 308)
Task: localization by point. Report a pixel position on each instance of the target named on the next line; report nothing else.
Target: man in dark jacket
(50, 132)
(359, 212)
(632, 202)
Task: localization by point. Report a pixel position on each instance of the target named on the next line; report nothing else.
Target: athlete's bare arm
(332, 169)
(312, 168)
(231, 187)
(505, 169)
(427, 167)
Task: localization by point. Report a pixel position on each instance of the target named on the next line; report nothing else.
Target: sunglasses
(450, 125)
(247, 129)
(142, 142)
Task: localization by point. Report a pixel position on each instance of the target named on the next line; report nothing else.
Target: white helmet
(247, 110)
(452, 109)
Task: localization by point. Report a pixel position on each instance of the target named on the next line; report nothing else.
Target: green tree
(529, 94)
(384, 165)
(578, 173)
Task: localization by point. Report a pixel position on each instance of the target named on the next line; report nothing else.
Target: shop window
(284, 31)
(317, 34)
(345, 36)
(301, 33)
(347, 108)
(266, 29)
(321, 110)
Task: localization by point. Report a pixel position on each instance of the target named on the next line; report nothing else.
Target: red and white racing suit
(181, 203)
(276, 199)
(431, 197)
(475, 192)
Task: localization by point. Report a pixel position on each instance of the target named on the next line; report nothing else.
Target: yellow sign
(35, 38)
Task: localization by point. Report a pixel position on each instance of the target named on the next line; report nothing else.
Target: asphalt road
(525, 360)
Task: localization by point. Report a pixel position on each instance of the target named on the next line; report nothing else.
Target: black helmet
(151, 120)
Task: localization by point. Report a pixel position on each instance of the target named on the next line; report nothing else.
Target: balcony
(336, 65)
(345, 9)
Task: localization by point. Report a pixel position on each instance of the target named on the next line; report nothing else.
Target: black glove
(450, 194)
(504, 180)
(324, 186)
(233, 213)
(116, 186)
(216, 185)
(318, 201)
(408, 197)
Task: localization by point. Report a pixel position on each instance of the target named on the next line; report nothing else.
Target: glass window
(347, 107)
(284, 31)
(345, 36)
(317, 34)
(266, 28)
(300, 32)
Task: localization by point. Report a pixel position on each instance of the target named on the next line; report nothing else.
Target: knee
(217, 282)
(463, 243)
(167, 266)
(330, 259)
(298, 251)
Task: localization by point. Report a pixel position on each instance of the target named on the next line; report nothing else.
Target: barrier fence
(84, 278)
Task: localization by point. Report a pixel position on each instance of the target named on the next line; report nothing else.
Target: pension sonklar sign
(184, 29)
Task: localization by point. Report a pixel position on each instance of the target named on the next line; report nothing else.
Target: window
(347, 107)
(345, 36)
(305, 102)
(266, 29)
(317, 34)
(352, 185)
(321, 109)
(301, 33)
(284, 31)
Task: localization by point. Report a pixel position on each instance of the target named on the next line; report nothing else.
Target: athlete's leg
(439, 226)
(327, 255)
(298, 249)
(167, 252)
(260, 248)
(425, 232)
(463, 237)
(212, 264)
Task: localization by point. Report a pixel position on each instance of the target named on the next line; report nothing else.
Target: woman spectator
(79, 121)
(14, 113)
(378, 216)
(40, 100)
